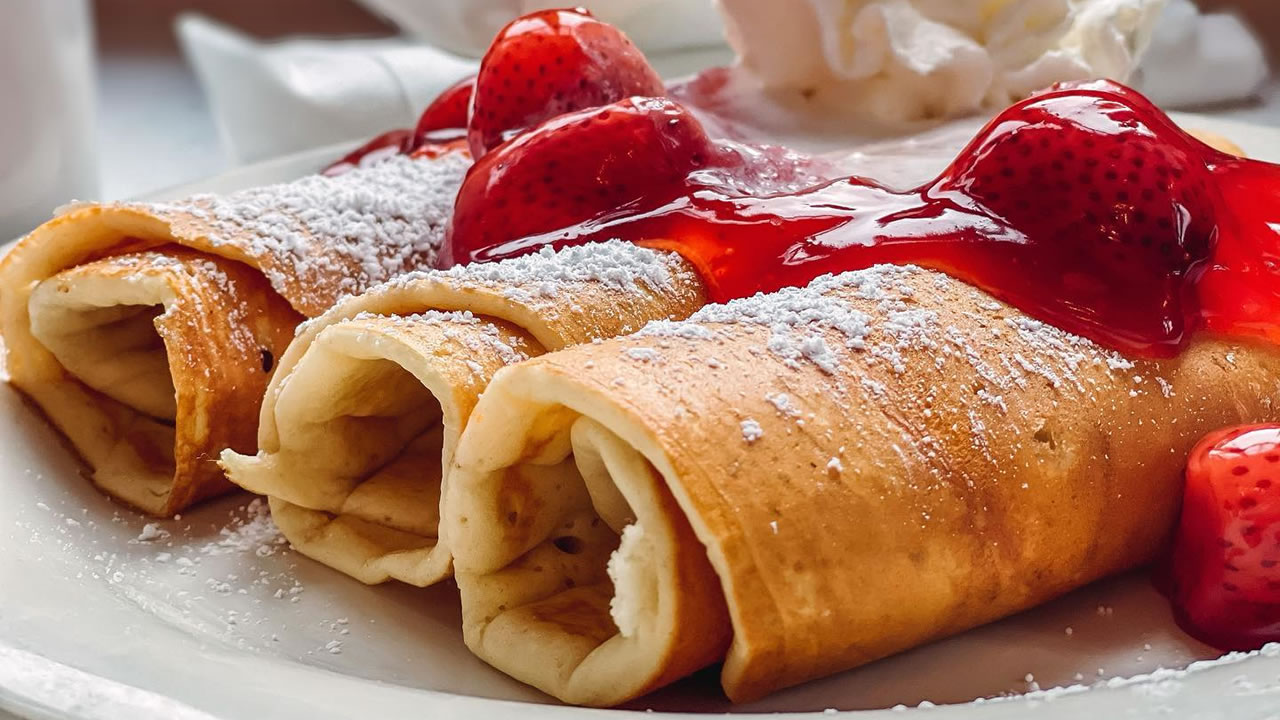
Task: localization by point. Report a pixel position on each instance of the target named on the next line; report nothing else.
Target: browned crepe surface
(869, 464)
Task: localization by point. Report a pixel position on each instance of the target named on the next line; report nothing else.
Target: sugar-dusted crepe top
(1084, 206)
(316, 239)
(558, 298)
(87, 298)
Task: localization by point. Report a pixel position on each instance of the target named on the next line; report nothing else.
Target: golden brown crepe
(146, 332)
(361, 420)
(807, 481)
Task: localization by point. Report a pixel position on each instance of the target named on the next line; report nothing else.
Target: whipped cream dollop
(895, 61)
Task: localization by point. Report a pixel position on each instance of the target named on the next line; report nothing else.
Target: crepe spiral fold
(147, 332)
(359, 425)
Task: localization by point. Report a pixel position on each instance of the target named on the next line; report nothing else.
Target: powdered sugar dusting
(218, 574)
(150, 532)
(252, 532)
(642, 354)
(481, 337)
(1158, 684)
(320, 238)
(783, 403)
(796, 317)
(551, 277)
(882, 329)
(615, 264)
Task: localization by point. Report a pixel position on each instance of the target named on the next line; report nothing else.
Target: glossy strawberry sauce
(1085, 207)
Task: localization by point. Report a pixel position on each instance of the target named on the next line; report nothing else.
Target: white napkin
(275, 98)
(278, 98)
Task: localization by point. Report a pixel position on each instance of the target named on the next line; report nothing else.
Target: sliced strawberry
(392, 142)
(549, 63)
(447, 112)
(1098, 186)
(624, 157)
(1225, 568)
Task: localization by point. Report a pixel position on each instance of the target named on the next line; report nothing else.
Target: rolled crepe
(361, 420)
(146, 332)
(803, 482)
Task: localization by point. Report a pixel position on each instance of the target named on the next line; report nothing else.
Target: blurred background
(137, 95)
(151, 108)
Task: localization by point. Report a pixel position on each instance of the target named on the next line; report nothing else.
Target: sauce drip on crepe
(1085, 207)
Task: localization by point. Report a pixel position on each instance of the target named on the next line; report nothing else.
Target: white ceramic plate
(103, 616)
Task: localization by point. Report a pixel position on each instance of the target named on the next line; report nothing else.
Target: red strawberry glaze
(396, 142)
(446, 117)
(1223, 577)
(392, 142)
(1240, 290)
(1085, 207)
(432, 149)
(440, 126)
(614, 162)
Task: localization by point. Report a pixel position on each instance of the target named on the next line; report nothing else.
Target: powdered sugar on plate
(1160, 684)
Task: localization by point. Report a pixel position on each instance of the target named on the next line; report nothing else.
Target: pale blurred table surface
(154, 127)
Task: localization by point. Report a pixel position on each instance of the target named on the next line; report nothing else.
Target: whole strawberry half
(620, 158)
(1097, 183)
(448, 112)
(548, 63)
(1224, 574)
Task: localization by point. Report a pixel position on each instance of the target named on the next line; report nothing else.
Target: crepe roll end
(142, 341)
(580, 575)
(362, 422)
